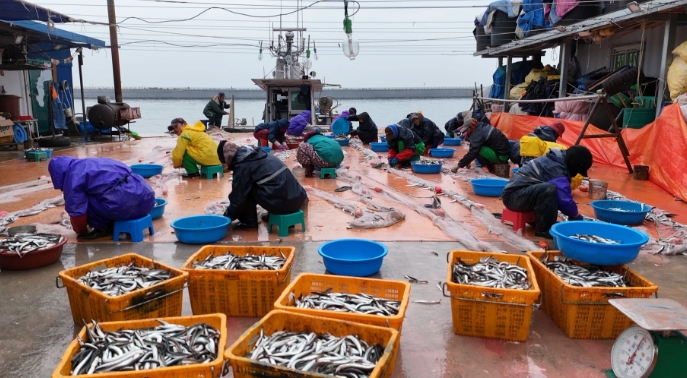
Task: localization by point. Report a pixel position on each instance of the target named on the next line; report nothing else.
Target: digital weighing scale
(657, 346)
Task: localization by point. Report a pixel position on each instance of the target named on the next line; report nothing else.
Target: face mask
(576, 181)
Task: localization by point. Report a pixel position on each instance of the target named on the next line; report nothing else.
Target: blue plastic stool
(134, 227)
(328, 171)
(210, 170)
(284, 221)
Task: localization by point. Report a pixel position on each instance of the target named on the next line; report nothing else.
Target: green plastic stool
(210, 170)
(37, 156)
(284, 221)
(327, 171)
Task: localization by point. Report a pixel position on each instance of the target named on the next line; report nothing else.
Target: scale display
(633, 354)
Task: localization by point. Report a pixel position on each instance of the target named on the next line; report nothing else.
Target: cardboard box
(6, 128)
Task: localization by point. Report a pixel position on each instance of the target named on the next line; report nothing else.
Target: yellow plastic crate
(160, 300)
(292, 322)
(307, 283)
(504, 314)
(237, 292)
(209, 370)
(584, 312)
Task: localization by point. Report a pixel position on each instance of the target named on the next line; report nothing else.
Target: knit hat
(220, 94)
(558, 127)
(226, 151)
(478, 115)
(414, 115)
(394, 130)
(578, 160)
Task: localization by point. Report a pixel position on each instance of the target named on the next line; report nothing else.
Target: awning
(17, 10)
(55, 36)
(552, 37)
(315, 84)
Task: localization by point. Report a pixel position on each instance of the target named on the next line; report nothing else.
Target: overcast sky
(403, 43)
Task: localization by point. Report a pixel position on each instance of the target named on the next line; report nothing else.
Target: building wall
(593, 56)
(15, 84)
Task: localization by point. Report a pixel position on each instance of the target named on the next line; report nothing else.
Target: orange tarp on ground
(662, 144)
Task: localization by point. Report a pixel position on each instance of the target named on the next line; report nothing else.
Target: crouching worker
(545, 184)
(537, 143)
(367, 129)
(318, 150)
(404, 145)
(488, 145)
(98, 192)
(194, 147)
(272, 132)
(259, 179)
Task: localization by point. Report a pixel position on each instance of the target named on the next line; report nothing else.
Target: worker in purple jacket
(298, 124)
(544, 186)
(98, 192)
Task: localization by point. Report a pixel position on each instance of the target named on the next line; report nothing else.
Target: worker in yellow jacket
(194, 147)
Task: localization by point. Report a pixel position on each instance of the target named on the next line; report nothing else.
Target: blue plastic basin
(634, 215)
(594, 253)
(159, 208)
(382, 138)
(512, 142)
(488, 187)
(201, 229)
(267, 149)
(331, 136)
(379, 146)
(516, 169)
(353, 257)
(343, 142)
(477, 164)
(452, 141)
(147, 170)
(442, 152)
(426, 168)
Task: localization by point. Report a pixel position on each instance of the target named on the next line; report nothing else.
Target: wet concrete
(37, 325)
(36, 321)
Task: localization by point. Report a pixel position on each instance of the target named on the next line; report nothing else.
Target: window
(625, 56)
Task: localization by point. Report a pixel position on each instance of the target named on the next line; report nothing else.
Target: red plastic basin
(32, 260)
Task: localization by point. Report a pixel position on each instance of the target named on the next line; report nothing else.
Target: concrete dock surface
(35, 316)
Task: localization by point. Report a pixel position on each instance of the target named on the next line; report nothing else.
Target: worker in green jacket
(318, 150)
(214, 110)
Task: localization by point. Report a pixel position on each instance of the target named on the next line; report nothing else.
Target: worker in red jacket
(404, 145)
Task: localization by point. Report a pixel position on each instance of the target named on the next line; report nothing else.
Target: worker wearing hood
(98, 192)
(537, 143)
(298, 124)
(259, 179)
(488, 145)
(194, 147)
(428, 131)
(404, 145)
(272, 132)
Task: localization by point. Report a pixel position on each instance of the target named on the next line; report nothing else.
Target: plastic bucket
(597, 189)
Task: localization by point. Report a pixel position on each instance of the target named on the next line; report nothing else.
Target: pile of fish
(594, 239)
(347, 356)
(489, 272)
(21, 244)
(428, 162)
(143, 349)
(621, 209)
(585, 276)
(340, 136)
(124, 279)
(342, 302)
(231, 261)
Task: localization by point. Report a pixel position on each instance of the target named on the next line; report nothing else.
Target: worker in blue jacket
(544, 186)
(98, 192)
(272, 132)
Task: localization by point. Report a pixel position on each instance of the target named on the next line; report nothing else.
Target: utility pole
(114, 47)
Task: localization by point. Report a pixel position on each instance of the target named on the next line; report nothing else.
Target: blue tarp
(504, 6)
(532, 16)
(519, 71)
(57, 36)
(16, 10)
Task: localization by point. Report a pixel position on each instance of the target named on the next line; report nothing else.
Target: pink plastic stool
(518, 219)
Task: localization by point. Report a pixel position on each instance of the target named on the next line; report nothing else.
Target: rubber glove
(578, 217)
(282, 147)
(393, 162)
(576, 181)
(79, 224)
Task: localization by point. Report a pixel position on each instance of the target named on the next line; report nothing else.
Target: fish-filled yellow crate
(496, 313)
(306, 283)
(277, 320)
(201, 370)
(245, 293)
(584, 312)
(163, 299)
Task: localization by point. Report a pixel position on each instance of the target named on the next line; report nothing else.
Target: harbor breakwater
(258, 94)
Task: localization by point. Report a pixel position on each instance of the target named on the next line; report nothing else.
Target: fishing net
(217, 207)
(479, 212)
(374, 216)
(448, 225)
(10, 218)
(9, 193)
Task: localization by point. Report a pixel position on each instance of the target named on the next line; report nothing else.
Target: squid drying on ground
(364, 219)
(10, 218)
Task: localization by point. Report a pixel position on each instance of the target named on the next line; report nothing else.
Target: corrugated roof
(18, 10)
